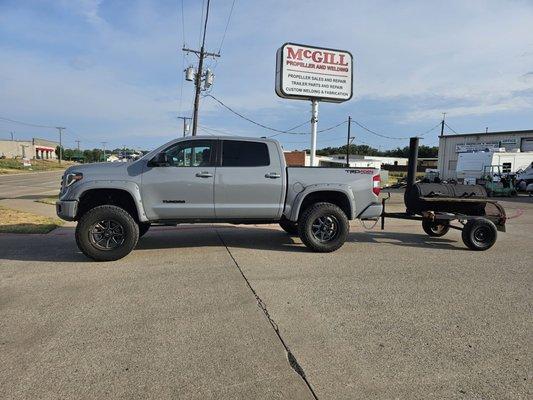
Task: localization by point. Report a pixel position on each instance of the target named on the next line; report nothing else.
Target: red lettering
(294, 54)
(341, 59)
(316, 56)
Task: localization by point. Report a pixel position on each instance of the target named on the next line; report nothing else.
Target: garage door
(527, 144)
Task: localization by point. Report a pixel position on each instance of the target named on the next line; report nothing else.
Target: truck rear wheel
(323, 227)
(479, 234)
(288, 226)
(106, 233)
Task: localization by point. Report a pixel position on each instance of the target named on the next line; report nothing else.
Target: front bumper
(373, 211)
(67, 209)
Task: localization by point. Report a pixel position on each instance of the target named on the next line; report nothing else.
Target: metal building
(451, 145)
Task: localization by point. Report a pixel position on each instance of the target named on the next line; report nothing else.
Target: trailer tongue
(437, 205)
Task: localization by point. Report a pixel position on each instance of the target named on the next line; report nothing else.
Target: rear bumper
(373, 211)
(67, 209)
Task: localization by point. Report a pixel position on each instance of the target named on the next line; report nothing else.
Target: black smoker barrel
(416, 193)
(412, 164)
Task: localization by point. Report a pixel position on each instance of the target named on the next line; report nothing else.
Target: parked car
(213, 179)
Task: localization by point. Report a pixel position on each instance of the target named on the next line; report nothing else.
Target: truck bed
(359, 180)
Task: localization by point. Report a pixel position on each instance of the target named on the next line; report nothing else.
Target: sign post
(314, 125)
(316, 74)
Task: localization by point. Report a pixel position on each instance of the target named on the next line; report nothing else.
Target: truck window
(194, 153)
(240, 153)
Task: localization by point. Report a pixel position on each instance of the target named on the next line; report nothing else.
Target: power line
(392, 137)
(288, 131)
(201, 22)
(429, 130)
(449, 127)
(377, 134)
(227, 24)
(27, 123)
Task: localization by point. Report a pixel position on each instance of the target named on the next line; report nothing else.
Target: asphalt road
(392, 315)
(30, 185)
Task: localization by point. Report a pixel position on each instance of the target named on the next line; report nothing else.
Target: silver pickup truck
(213, 179)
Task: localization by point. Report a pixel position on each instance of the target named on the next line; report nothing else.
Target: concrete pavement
(175, 323)
(392, 314)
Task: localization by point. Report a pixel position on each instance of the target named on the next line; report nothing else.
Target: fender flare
(128, 186)
(329, 187)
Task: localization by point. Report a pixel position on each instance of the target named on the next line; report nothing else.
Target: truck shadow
(60, 246)
(259, 238)
(404, 240)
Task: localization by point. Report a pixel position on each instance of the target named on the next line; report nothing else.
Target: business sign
(470, 147)
(308, 72)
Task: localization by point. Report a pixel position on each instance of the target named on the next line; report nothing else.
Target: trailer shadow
(404, 240)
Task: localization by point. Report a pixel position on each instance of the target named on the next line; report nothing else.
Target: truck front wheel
(323, 227)
(106, 233)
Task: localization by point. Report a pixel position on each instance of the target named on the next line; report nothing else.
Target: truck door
(183, 188)
(249, 182)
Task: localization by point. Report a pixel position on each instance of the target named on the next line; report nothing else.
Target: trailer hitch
(383, 200)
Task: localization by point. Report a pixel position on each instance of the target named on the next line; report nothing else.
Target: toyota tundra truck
(208, 180)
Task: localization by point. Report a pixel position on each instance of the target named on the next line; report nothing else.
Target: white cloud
(123, 69)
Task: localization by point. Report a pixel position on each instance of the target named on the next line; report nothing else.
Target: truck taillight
(376, 184)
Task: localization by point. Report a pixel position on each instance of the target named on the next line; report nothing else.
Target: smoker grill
(437, 205)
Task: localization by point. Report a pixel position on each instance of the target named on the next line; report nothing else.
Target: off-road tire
(479, 234)
(102, 213)
(321, 210)
(143, 228)
(435, 228)
(290, 227)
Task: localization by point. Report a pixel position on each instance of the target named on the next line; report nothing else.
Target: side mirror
(160, 160)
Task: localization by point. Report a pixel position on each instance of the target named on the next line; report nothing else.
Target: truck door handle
(204, 174)
(273, 175)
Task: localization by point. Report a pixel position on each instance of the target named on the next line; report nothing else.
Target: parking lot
(211, 311)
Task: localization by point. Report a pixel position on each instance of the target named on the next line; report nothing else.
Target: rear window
(237, 153)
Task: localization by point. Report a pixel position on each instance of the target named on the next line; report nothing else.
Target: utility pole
(185, 127)
(442, 124)
(103, 147)
(200, 73)
(60, 129)
(348, 143)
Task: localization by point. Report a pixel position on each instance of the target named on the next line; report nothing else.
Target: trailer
(478, 232)
(441, 207)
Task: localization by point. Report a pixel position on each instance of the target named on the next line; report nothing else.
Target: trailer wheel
(479, 234)
(435, 228)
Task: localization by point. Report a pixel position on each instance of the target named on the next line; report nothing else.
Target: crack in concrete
(291, 358)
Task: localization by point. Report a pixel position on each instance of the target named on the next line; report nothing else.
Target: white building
(450, 146)
(32, 149)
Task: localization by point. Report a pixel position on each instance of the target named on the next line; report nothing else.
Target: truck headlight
(72, 178)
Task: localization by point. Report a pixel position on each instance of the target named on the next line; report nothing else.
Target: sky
(112, 70)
